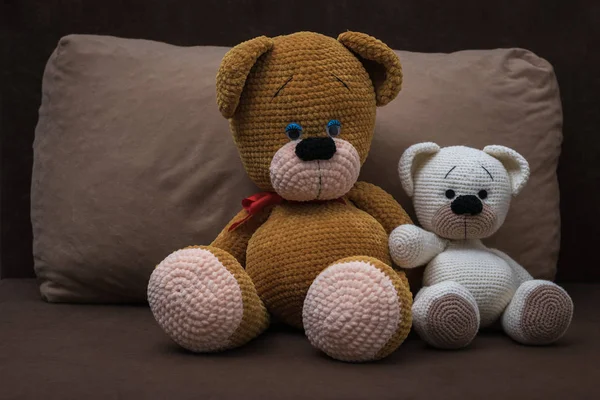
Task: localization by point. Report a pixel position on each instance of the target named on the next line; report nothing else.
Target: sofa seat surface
(61, 351)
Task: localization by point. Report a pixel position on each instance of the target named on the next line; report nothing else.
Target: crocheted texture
(298, 241)
(234, 70)
(461, 195)
(357, 310)
(516, 166)
(309, 79)
(325, 179)
(520, 273)
(446, 315)
(236, 242)
(487, 277)
(411, 246)
(466, 172)
(412, 158)
(380, 204)
(204, 300)
(539, 313)
(387, 80)
(302, 113)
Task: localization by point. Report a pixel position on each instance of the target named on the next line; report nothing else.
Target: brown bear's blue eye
(334, 128)
(450, 193)
(293, 131)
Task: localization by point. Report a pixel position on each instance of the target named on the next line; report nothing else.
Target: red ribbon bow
(257, 202)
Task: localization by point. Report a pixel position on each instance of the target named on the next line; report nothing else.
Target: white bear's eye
(450, 193)
(483, 194)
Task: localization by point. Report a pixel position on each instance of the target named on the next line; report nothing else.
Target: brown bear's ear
(234, 70)
(382, 64)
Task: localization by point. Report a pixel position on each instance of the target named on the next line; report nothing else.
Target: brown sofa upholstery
(68, 351)
(63, 351)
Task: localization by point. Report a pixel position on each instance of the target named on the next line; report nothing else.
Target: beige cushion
(133, 159)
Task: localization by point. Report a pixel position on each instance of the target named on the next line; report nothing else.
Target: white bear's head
(460, 192)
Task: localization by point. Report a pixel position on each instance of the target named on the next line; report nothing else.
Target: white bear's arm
(520, 272)
(411, 246)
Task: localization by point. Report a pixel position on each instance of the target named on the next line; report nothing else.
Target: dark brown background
(566, 33)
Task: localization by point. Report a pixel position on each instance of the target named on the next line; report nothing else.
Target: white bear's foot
(539, 313)
(445, 315)
(357, 309)
(203, 299)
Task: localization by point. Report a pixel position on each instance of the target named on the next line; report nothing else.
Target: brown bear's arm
(235, 241)
(389, 213)
(379, 204)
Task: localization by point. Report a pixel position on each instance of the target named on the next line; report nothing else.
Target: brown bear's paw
(446, 315)
(539, 313)
(358, 309)
(204, 300)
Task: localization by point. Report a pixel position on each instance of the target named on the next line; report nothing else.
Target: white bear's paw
(405, 243)
(446, 315)
(411, 246)
(540, 313)
(197, 296)
(357, 309)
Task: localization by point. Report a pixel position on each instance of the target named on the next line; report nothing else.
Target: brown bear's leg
(358, 309)
(204, 300)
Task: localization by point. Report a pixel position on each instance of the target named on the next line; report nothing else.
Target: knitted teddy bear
(462, 195)
(312, 249)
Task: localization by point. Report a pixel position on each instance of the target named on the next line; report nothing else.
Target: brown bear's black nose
(313, 148)
(466, 205)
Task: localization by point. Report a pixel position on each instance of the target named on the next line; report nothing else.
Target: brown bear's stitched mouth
(320, 180)
(297, 180)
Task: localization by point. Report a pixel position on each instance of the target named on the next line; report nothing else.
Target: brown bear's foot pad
(205, 301)
(357, 309)
(539, 313)
(446, 315)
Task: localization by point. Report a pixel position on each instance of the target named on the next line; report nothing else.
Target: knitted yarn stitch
(462, 195)
(308, 79)
(298, 241)
(276, 93)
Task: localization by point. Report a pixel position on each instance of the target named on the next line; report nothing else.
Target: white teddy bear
(462, 195)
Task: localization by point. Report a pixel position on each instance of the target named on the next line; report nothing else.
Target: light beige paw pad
(351, 311)
(196, 300)
(446, 316)
(540, 313)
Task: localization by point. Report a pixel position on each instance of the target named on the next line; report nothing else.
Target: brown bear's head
(302, 108)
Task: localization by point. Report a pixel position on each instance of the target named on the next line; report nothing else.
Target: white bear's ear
(516, 165)
(411, 158)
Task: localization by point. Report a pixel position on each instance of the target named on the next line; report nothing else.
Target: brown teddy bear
(312, 250)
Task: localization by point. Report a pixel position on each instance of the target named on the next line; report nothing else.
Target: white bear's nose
(468, 204)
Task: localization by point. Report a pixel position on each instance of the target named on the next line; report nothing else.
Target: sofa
(58, 349)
